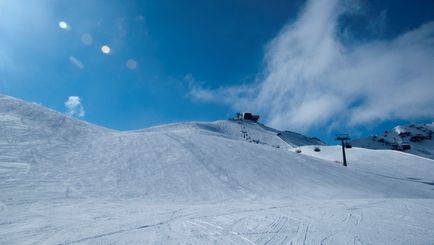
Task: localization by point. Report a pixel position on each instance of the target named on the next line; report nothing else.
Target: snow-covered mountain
(65, 181)
(417, 137)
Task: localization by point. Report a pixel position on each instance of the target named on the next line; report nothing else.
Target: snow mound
(62, 157)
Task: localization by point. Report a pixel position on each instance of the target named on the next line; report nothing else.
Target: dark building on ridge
(247, 116)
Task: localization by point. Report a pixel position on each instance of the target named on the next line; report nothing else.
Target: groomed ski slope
(64, 181)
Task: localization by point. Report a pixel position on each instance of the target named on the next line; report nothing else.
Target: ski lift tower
(343, 138)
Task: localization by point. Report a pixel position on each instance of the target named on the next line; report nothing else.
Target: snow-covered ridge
(419, 138)
(18, 113)
(242, 130)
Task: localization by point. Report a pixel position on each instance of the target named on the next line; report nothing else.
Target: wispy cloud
(313, 79)
(74, 107)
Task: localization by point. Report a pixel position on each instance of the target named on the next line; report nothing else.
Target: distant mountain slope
(418, 136)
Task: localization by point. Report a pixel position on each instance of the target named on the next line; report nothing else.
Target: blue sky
(317, 67)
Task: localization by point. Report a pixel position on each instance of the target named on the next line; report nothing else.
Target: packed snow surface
(64, 181)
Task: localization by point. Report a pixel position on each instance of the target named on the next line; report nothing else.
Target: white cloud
(312, 79)
(74, 107)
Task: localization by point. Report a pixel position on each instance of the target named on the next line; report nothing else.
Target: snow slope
(244, 130)
(64, 181)
(396, 165)
(418, 136)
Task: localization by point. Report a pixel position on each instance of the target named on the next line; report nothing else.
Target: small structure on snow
(400, 147)
(344, 139)
(247, 116)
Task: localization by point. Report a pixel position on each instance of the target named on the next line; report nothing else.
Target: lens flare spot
(86, 39)
(131, 64)
(105, 49)
(64, 25)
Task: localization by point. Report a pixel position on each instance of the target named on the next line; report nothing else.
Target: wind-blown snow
(64, 181)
